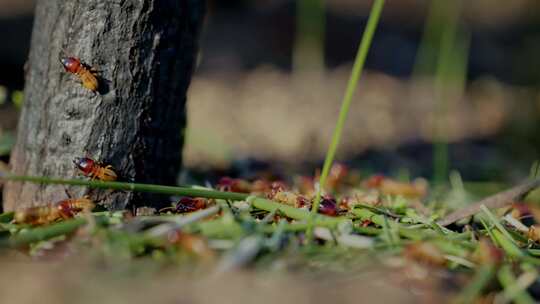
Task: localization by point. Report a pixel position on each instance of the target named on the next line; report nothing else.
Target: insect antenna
(67, 193)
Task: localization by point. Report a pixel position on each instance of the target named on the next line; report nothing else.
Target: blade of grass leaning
(292, 212)
(501, 237)
(495, 201)
(489, 232)
(510, 248)
(170, 190)
(6, 217)
(367, 215)
(460, 261)
(308, 52)
(346, 103)
(390, 236)
(450, 70)
(513, 290)
(535, 169)
(257, 202)
(497, 223)
(43, 233)
(426, 57)
(481, 278)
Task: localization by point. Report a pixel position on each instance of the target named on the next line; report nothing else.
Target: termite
(188, 204)
(52, 212)
(37, 215)
(234, 185)
(95, 170)
(69, 207)
(86, 74)
(328, 206)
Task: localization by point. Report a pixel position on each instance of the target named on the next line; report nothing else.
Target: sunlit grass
(308, 53)
(358, 66)
(443, 54)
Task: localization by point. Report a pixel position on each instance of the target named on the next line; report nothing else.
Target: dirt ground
(73, 281)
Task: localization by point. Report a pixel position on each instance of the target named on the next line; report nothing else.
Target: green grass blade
(482, 277)
(43, 233)
(512, 290)
(170, 190)
(257, 202)
(347, 99)
(308, 52)
(497, 223)
(489, 232)
(6, 217)
(510, 248)
(451, 73)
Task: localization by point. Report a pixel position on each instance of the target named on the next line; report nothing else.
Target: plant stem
(171, 190)
(367, 215)
(512, 290)
(257, 202)
(6, 217)
(449, 58)
(497, 224)
(295, 213)
(308, 53)
(43, 233)
(483, 276)
(346, 103)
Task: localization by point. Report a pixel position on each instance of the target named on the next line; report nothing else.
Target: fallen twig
(498, 200)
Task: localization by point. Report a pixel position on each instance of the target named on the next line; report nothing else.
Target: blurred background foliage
(450, 85)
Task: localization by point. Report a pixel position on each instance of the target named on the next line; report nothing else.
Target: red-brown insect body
(64, 210)
(233, 185)
(68, 208)
(72, 65)
(85, 164)
(52, 212)
(93, 169)
(37, 215)
(86, 75)
(189, 204)
(328, 206)
(275, 188)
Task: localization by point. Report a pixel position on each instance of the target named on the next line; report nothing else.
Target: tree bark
(145, 51)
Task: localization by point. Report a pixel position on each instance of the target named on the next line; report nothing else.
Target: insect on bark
(95, 170)
(86, 74)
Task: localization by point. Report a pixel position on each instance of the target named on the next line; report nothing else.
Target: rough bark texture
(145, 51)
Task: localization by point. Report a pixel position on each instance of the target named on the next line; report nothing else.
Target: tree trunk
(145, 51)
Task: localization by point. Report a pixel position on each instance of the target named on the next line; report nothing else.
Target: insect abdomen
(105, 174)
(88, 79)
